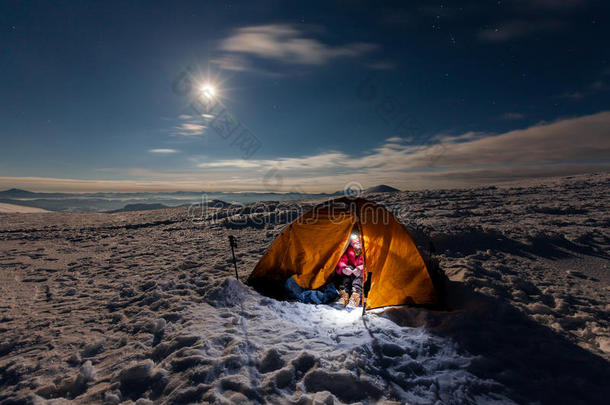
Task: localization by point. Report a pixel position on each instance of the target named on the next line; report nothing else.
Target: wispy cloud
(573, 95)
(328, 160)
(241, 63)
(163, 151)
(515, 29)
(50, 184)
(282, 43)
(567, 140)
(531, 17)
(556, 5)
(595, 87)
(233, 62)
(188, 126)
(381, 65)
(512, 116)
(560, 144)
(563, 147)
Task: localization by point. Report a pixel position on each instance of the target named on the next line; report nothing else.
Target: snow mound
(300, 352)
(229, 293)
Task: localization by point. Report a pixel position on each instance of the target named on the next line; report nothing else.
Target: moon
(208, 91)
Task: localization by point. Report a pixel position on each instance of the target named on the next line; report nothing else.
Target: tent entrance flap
(308, 250)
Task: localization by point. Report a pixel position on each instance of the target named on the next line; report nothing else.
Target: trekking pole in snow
(233, 246)
(365, 290)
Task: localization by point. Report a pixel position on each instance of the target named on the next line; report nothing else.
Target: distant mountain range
(139, 207)
(119, 202)
(18, 193)
(123, 202)
(156, 206)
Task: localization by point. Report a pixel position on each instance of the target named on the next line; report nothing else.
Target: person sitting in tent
(350, 270)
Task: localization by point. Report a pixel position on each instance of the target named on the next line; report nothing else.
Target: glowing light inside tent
(340, 317)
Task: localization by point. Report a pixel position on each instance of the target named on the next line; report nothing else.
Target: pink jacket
(350, 258)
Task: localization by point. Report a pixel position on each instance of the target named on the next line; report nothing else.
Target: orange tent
(310, 248)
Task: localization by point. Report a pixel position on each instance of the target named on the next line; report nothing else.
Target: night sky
(108, 95)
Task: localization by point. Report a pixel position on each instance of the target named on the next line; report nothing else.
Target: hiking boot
(354, 300)
(343, 298)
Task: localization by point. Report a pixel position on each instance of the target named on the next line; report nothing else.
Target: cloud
(532, 17)
(515, 29)
(574, 142)
(234, 62)
(512, 116)
(240, 63)
(234, 163)
(583, 138)
(556, 5)
(189, 129)
(283, 43)
(190, 126)
(595, 87)
(381, 65)
(49, 184)
(162, 151)
(573, 95)
(598, 85)
(330, 160)
(564, 147)
(278, 181)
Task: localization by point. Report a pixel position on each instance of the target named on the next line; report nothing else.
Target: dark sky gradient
(86, 90)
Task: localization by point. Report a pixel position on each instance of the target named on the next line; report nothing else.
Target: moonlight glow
(208, 91)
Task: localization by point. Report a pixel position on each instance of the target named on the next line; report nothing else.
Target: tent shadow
(532, 361)
(540, 246)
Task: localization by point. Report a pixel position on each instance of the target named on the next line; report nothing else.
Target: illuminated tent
(310, 248)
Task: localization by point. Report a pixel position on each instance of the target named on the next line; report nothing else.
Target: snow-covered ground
(13, 208)
(143, 307)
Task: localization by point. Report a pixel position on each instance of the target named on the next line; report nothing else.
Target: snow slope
(143, 307)
(13, 208)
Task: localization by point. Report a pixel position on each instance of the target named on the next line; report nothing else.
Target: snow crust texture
(144, 308)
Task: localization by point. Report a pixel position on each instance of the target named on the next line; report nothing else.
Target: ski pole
(233, 246)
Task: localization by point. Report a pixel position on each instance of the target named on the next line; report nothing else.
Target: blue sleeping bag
(324, 295)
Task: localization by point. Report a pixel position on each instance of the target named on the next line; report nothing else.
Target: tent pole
(365, 291)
